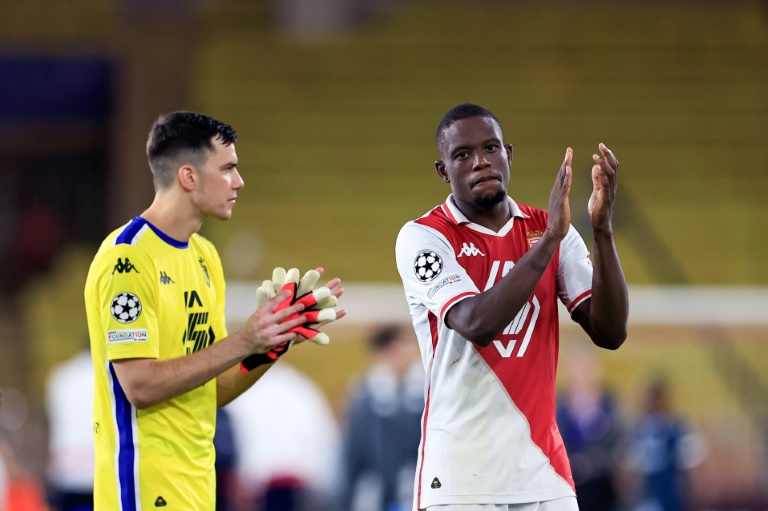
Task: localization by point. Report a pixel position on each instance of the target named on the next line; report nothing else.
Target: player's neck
(493, 218)
(174, 218)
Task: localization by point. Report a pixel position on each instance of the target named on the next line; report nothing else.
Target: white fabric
(564, 504)
(574, 275)
(477, 443)
(284, 427)
(69, 404)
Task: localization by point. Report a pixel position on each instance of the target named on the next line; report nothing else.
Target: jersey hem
(493, 498)
(124, 356)
(453, 301)
(579, 299)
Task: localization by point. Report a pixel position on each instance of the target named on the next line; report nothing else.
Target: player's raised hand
(559, 219)
(601, 201)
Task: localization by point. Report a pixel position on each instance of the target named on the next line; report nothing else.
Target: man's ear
(440, 168)
(510, 152)
(188, 177)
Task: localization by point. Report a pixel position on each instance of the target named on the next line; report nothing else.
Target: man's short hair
(183, 137)
(462, 111)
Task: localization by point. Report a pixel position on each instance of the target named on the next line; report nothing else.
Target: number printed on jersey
(524, 322)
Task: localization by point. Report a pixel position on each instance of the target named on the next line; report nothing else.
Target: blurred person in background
(162, 357)
(663, 450)
(23, 491)
(287, 442)
(382, 426)
(482, 275)
(592, 431)
(226, 462)
(70, 434)
(3, 482)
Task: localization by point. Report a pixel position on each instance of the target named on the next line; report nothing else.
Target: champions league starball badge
(427, 266)
(126, 307)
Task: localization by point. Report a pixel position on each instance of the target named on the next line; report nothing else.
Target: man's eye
(461, 155)
(492, 147)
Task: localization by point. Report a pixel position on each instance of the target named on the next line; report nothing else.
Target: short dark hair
(180, 135)
(462, 111)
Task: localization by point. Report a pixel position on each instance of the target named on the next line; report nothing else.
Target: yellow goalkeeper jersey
(150, 296)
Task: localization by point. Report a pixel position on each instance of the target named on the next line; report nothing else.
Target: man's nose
(479, 162)
(238, 182)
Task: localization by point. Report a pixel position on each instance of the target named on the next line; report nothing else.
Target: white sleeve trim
(574, 273)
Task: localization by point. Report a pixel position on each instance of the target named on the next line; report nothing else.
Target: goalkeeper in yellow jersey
(162, 358)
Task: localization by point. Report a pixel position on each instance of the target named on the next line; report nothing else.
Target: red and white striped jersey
(489, 434)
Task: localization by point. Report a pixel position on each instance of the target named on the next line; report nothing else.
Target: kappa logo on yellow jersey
(124, 267)
(165, 279)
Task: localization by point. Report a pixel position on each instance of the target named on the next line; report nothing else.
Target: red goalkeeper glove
(318, 303)
(318, 309)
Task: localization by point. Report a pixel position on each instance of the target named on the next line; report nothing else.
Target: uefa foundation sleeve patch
(138, 335)
(450, 279)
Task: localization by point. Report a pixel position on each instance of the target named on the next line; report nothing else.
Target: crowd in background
(281, 448)
(640, 465)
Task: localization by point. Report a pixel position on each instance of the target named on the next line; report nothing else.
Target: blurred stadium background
(336, 102)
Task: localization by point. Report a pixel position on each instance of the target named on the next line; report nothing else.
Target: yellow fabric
(162, 453)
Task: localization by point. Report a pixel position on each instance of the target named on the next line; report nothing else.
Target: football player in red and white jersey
(482, 275)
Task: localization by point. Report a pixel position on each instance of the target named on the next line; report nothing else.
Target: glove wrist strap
(251, 362)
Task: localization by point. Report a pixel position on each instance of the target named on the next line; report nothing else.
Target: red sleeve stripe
(583, 296)
(453, 300)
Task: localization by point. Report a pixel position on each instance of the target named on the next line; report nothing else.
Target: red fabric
(530, 379)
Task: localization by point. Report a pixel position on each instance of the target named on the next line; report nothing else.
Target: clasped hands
(600, 205)
(316, 309)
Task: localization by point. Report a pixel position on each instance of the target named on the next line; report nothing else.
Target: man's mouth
(485, 179)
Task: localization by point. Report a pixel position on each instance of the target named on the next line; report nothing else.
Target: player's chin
(225, 214)
(490, 198)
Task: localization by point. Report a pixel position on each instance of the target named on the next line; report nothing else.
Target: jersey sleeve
(574, 274)
(431, 275)
(127, 303)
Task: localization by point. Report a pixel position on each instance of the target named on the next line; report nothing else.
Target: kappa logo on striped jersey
(470, 250)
